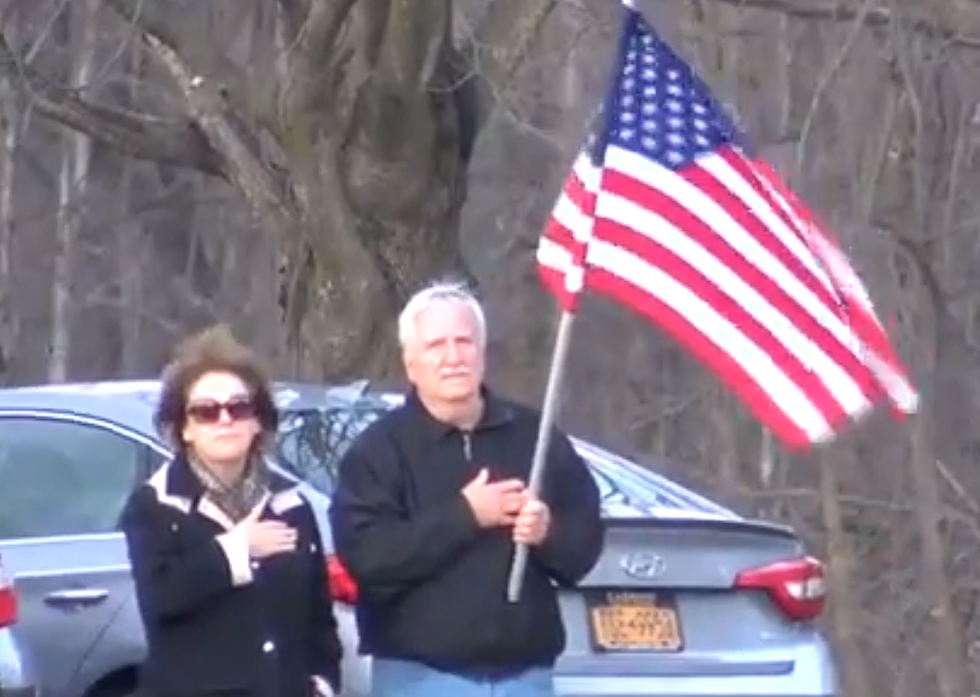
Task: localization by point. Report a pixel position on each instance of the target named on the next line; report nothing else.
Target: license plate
(633, 621)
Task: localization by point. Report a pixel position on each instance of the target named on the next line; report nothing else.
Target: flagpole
(549, 413)
(563, 334)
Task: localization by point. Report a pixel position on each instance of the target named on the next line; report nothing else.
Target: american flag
(666, 211)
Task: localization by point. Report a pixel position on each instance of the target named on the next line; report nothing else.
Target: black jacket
(216, 621)
(432, 582)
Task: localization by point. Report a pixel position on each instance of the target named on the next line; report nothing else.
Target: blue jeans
(391, 678)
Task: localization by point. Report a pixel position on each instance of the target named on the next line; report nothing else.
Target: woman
(227, 556)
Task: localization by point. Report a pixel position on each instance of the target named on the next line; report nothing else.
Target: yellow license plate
(634, 622)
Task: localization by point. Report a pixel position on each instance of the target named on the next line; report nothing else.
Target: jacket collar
(496, 413)
(181, 480)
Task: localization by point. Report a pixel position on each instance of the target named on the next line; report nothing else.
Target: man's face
(445, 359)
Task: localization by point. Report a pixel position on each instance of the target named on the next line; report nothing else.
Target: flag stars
(663, 110)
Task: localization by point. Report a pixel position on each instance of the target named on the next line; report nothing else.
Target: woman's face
(221, 424)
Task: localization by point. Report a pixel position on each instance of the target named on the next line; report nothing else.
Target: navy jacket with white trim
(215, 619)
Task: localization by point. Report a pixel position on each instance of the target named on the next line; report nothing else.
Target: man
(429, 503)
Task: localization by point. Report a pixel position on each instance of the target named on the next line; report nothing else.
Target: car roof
(130, 404)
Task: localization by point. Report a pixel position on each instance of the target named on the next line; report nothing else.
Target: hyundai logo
(645, 565)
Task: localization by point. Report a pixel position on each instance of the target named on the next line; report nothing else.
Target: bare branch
(267, 188)
(307, 57)
(417, 35)
(499, 46)
(292, 14)
(956, 25)
(148, 17)
(176, 142)
(152, 18)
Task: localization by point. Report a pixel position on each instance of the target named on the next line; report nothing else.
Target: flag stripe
(819, 326)
(702, 221)
(796, 425)
(570, 229)
(777, 226)
(869, 332)
(741, 364)
(768, 225)
(715, 281)
(737, 218)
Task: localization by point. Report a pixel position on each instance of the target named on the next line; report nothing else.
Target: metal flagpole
(564, 332)
(549, 413)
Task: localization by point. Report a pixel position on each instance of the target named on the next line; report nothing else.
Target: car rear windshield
(311, 443)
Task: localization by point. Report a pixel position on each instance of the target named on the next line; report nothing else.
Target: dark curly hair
(213, 350)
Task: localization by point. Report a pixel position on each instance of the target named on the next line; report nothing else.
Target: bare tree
(356, 158)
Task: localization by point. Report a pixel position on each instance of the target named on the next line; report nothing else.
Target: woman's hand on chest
(267, 536)
(301, 549)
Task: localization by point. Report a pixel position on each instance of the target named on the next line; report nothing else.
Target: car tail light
(796, 586)
(8, 601)
(342, 586)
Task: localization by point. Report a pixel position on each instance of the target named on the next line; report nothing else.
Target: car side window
(61, 477)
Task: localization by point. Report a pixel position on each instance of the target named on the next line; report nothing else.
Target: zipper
(468, 446)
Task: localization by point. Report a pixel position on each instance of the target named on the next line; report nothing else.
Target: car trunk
(705, 625)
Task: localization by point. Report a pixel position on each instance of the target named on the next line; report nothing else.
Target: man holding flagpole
(429, 504)
(667, 212)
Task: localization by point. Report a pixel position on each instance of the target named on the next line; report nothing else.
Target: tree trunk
(841, 581)
(59, 345)
(9, 136)
(379, 171)
(943, 630)
(130, 251)
(72, 185)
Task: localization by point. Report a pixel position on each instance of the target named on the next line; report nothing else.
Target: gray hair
(438, 292)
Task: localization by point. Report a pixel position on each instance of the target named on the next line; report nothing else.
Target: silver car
(688, 598)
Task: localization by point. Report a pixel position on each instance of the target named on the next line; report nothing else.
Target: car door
(63, 482)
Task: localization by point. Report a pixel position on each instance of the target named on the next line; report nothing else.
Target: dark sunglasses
(209, 411)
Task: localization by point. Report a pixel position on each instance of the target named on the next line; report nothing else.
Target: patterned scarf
(239, 498)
